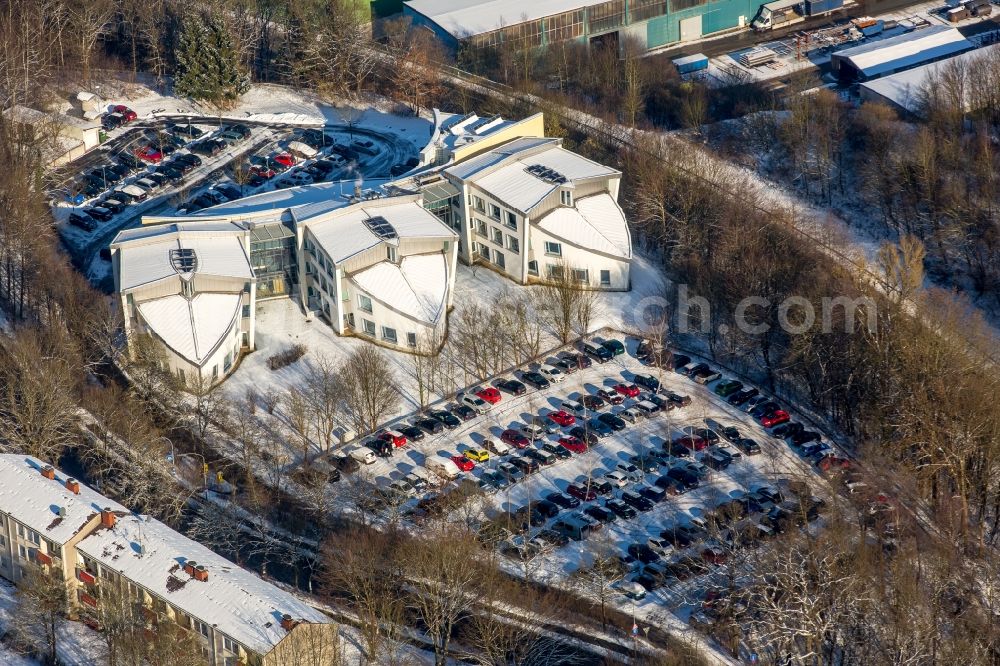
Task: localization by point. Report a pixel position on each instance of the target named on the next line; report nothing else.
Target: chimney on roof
(73, 486)
(201, 573)
(287, 623)
(189, 567)
(48, 472)
(108, 517)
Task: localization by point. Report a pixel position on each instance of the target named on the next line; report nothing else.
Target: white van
(532, 431)
(648, 408)
(573, 407)
(551, 373)
(363, 455)
(443, 467)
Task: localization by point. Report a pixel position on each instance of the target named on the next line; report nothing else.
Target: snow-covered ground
(76, 645)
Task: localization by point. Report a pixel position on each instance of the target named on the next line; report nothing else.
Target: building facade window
(246, 311)
(553, 249)
(499, 259)
(510, 219)
(484, 252)
(364, 303)
(227, 362)
(605, 278)
(411, 339)
(581, 275)
(229, 645)
(554, 270)
(389, 334)
(533, 267)
(215, 372)
(513, 244)
(566, 197)
(495, 211)
(202, 628)
(481, 228)
(480, 204)
(22, 552)
(498, 237)
(368, 327)
(390, 253)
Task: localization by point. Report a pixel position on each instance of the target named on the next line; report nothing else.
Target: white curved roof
(595, 222)
(417, 287)
(195, 328)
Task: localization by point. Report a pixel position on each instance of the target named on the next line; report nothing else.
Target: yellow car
(477, 455)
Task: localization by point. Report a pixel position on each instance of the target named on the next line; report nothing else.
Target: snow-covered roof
(36, 501)
(234, 601)
(194, 329)
(331, 195)
(343, 232)
(417, 287)
(456, 130)
(904, 88)
(506, 172)
(595, 222)
(463, 18)
(907, 50)
(144, 253)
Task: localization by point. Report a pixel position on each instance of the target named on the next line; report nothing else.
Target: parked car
(581, 493)
(616, 479)
(748, 446)
(412, 433)
(512, 386)
(627, 390)
(600, 514)
(566, 365)
(692, 442)
(187, 130)
(563, 500)
(680, 360)
(776, 418)
(429, 425)
(595, 351)
(557, 450)
(631, 472)
(670, 485)
(612, 421)
(645, 461)
(599, 428)
(475, 403)
(621, 509)
(648, 382)
(552, 374)
(82, 221)
(706, 376)
(614, 347)
(653, 493)
(111, 121)
(99, 213)
(740, 397)
(511, 472)
(574, 444)
(543, 458)
(728, 387)
(561, 417)
(643, 553)
(636, 501)
(463, 411)
(582, 360)
(535, 379)
(394, 437)
(610, 396)
(525, 465)
(496, 447)
(477, 455)
(447, 419)
(593, 402)
(514, 438)
(687, 479)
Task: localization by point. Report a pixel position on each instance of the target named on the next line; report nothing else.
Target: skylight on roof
(546, 174)
(183, 260)
(380, 226)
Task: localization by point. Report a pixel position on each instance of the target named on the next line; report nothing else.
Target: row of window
(497, 236)
(581, 275)
(388, 334)
(509, 218)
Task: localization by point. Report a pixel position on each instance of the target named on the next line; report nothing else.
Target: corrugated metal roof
(596, 223)
(192, 328)
(466, 169)
(418, 287)
(439, 192)
(266, 232)
(515, 187)
(463, 18)
(902, 51)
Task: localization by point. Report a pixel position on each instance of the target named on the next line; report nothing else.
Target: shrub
(286, 357)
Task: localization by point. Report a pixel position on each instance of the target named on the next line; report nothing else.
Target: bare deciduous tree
(369, 386)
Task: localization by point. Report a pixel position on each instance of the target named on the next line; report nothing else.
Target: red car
(574, 444)
(284, 159)
(581, 493)
(563, 418)
(627, 390)
(397, 439)
(611, 396)
(776, 418)
(125, 111)
(463, 463)
(693, 442)
(264, 172)
(714, 555)
(489, 394)
(514, 438)
(149, 154)
(833, 463)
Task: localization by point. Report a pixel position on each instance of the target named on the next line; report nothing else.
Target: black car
(567, 366)
(82, 221)
(540, 457)
(112, 121)
(601, 487)
(589, 438)
(105, 176)
(804, 437)
(230, 190)
(558, 451)
(680, 360)
(669, 484)
(687, 480)
(552, 537)
(653, 494)
(765, 409)
(600, 514)
(525, 465)
(594, 403)
(129, 160)
(381, 448)
(621, 509)
(120, 170)
(463, 412)
(412, 433)
(187, 130)
(680, 536)
(748, 446)
(581, 361)
(563, 500)
(615, 347)
(113, 205)
(648, 581)
(98, 213)
(636, 501)
(188, 158)
(170, 173)
(648, 382)
(788, 429)
(643, 553)
(694, 370)
(706, 434)
(547, 509)
(740, 397)
(676, 449)
(238, 128)
(157, 178)
(512, 386)
(206, 148)
(612, 421)
(447, 419)
(182, 166)
(535, 379)
(430, 426)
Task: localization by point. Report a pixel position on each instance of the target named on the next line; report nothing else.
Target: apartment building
(51, 520)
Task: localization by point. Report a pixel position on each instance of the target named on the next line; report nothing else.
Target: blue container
(691, 63)
(873, 29)
(814, 7)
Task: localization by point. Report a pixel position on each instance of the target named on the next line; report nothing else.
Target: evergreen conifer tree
(207, 66)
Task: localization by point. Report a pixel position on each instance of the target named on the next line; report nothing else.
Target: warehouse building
(50, 520)
(895, 54)
(905, 91)
(653, 23)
